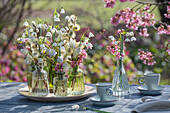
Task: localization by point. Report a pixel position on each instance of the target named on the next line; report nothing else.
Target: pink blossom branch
(162, 58)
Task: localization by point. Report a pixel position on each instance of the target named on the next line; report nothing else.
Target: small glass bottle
(40, 85)
(60, 84)
(120, 83)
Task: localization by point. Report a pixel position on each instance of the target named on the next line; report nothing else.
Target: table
(12, 102)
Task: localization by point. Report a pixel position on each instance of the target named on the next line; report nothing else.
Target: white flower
(40, 60)
(111, 38)
(60, 59)
(24, 51)
(23, 35)
(21, 40)
(53, 30)
(127, 34)
(89, 46)
(59, 32)
(62, 48)
(56, 19)
(67, 18)
(26, 24)
(45, 26)
(37, 30)
(34, 34)
(61, 43)
(31, 40)
(127, 40)
(33, 23)
(86, 39)
(72, 18)
(28, 59)
(43, 50)
(66, 28)
(91, 35)
(70, 25)
(75, 107)
(51, 52)
(41, 37)
(39, 25)
(131, 33)
(42, 45)
(49, 34)
(77, 28)
(63, 29)
(54, 44)
(31, 30)
(133, 39)
(62, 11)
(35, 53)
(72, 43)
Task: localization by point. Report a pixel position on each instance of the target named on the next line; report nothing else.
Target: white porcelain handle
(109, 91)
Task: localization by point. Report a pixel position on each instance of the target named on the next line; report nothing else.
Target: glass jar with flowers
(60, 81)
(76, 81)
(29, 44)
(78, 53)
(40, 85)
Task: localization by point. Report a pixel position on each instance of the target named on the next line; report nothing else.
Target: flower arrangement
(55, 45)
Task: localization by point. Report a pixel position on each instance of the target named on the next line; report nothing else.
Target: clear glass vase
(120, 83)
(60, 84)
(76, 82)
(40, 86)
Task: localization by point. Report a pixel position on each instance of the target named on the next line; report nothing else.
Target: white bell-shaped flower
(112, 38)
(26, 24)
(49, 34)
(51, 52)
(54, 44)
(60, 59)
(127, 40)
(91, 35)
(62, 11)
(133, 39)
(24, 51)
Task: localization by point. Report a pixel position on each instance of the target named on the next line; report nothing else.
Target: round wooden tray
(51, 98)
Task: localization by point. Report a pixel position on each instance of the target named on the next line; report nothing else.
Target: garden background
(100, 64)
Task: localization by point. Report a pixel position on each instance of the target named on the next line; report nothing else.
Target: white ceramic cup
(151, 80)
(104, 91)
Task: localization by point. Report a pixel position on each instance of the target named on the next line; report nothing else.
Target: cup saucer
(96, 101)
(144, 90)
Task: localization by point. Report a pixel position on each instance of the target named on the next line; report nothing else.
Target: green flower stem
(59, 51)
(40, 31)
(54, 37)
(99, 111)
(44, 38)
(121, 52)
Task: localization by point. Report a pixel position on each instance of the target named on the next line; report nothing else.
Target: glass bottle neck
(120, 62)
